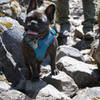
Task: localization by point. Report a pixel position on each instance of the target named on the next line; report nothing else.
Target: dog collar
(40, 46)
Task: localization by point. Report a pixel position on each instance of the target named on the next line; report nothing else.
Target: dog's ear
(50, 10)
(32, 5)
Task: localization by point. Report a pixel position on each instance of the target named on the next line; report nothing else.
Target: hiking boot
(89, 34)
(64, 30)
(63, 34)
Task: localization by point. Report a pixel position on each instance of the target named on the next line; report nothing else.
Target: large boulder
(68, 51)
(32, 88)
(12, 42)
(83, 44)
(13, 95)
(12, 34)
(83, 74)
(10, 49)
(40, 90)
(88, 94)
(51, 93)
(4, 1)
(63, 83)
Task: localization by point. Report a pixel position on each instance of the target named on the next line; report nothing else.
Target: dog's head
(38, 20)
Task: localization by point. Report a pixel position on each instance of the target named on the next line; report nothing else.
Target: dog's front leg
(35, 72)
(54, 69)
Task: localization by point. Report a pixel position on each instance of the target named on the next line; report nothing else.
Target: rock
(86, 51)
(9, 23)
(63, 83)
(88, 94)
(96, 29)
(32, 88)
(4, 85)
(10, 49)
(8, 65)
(68, 51)
(76, 8)
(70, 41)
(12, 37)
(79, 32)
(76, 22)
(95, 52)
(88, 59)
(12, 41)
(10, 8)
(83, 74)
(21, 18)
(4, 1)
(13, 95)
(51, 93)
(16, 9)
(45, 69)
(83, 44)
(77, 40)
(23, 2)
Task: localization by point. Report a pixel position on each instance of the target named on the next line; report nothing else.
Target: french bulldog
(37, 29)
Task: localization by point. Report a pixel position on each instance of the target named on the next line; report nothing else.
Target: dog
(37, 33)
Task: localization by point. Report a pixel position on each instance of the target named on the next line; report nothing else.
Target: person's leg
(89, 16)
(62, 11)
(62, 15)
(63, 20)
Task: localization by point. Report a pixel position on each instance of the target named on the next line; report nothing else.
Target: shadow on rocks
(90, 81)
(83, 44)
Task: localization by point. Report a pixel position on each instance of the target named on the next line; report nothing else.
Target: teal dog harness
(40, 46)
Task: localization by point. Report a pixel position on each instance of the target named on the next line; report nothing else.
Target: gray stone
(11, 39)
(68, 51)
(51, 93)
(88, 59)
(95, 51)
(10, 50)
(13, 95)
(10, 23)
(22, 18)
(86, 51)
(8, 65)
(32, 88)
(10, 8)
(4, 85)
(63, 83)
(82, 73)
(4, 1)
(88, 94)
(76, 21)
(45, 69)
(83, 44)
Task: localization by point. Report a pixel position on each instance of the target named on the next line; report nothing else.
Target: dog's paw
(55, 72)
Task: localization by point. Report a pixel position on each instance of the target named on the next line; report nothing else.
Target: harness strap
(40, 47)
